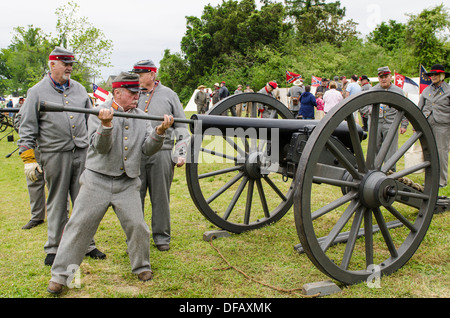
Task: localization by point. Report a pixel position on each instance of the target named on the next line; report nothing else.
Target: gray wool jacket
(54, 131)
(165, 101)
(118, 150)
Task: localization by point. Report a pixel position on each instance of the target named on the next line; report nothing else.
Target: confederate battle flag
(292, 77)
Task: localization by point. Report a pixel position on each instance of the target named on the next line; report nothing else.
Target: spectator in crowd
(201, 100)
(249, 106)
(293, 95)
(332, 97)
(308, 104)
(320, 113)
(364, 111)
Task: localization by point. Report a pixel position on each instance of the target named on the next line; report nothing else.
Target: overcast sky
(143, 29)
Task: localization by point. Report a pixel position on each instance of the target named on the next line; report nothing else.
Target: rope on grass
(295, 290)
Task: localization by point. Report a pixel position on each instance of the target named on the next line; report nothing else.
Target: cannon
(5, 120)
(247, 173)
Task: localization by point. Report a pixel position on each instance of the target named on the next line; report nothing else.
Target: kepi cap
(384, 70)
(127, 80)
(62, 54)
(144, 66)
(273, 85)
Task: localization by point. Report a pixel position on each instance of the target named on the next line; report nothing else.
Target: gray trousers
(99, 192)
(383, 130)
(36, 193)
(442, 136)
(157, 176)
(62, 174)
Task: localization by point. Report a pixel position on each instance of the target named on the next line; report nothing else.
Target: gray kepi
(62, 54)
(144, 66)
(127, 80)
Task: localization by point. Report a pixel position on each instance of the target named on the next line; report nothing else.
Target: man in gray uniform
(157, 171)
(294, 93)
(387, 114)
(111, 178)
(62, 140)
(435, 104)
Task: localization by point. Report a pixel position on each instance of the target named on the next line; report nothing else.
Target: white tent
(192, 106)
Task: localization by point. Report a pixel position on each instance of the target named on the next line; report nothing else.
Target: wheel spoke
(248, 204)
(344, 161)
(218, 154)
(356, 144)
(334, 205)
(413, 195)
(235, 198)
(334, 182)
(225, 187)
(219, 172)
(353, 235)
(393, 131)
(262, 198)
(368, 236)
(373, 136)
(401, 152)
(343, 220)
(410, 170)
(275, 188)
(401, 218)
(235, 146)
(385, 232)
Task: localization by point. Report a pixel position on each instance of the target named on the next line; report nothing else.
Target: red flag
(292, 77)
(425, 81)
(316, 81)
(100, 93)
(399, 80)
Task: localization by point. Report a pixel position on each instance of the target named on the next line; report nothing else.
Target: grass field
(193, 268)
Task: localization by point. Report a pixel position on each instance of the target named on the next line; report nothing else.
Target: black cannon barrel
(54, 107)
(9, 110)
(215, 125)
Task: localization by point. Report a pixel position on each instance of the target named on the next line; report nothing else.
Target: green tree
(428, 36)
(390, 36)
(89, 43)
(229, 28)
(315, 21)
(24, 62)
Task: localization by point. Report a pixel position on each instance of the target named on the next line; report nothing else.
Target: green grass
(192, 268)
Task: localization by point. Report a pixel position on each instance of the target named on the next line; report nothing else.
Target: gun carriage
(246, 173)
(5, 120)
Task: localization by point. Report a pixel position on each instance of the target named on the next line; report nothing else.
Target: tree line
(241, 43)
(237, 43)
(25, 60)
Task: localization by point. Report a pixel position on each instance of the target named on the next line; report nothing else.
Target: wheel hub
(256, 165)
(377, 190)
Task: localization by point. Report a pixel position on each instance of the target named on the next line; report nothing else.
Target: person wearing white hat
(293, 95)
